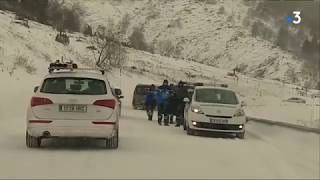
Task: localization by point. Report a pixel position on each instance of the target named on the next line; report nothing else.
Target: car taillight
(36, 101)
(110, 103)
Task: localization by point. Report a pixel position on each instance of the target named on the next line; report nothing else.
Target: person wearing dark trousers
(172, 107)
(150, 101)
(181, 92)
(172, 104)
(162, 103)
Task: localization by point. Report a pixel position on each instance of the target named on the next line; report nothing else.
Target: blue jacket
(162, 95)
(150, 98)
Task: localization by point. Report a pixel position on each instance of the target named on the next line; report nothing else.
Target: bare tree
(109, 52)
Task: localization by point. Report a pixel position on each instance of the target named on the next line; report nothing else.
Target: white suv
(74, 104)
(215, 109)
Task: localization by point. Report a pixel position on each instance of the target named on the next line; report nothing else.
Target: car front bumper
(228, 128)
(203, 122)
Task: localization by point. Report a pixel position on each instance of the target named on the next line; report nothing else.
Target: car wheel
(32, 142)
(189, 130)
(240, 135)
(113, 142)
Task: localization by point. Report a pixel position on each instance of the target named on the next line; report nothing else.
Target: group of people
(169, 102)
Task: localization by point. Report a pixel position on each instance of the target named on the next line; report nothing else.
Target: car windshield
(72, 85)
(219, 96)
(142, 90)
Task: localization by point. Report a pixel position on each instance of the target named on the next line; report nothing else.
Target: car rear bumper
(71, 128)
(92, 132)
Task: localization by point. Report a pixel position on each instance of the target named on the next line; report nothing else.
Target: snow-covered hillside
(146, 150)
(210, 32)
(31, 49)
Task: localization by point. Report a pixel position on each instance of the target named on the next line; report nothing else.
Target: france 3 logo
(295, 18)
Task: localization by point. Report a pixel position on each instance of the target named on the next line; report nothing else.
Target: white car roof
(82, 74)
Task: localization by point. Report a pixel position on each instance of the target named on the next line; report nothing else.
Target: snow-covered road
(150, 151)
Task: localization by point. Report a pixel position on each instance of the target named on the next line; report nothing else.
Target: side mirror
(243, 104)
(120, 97)
(35, 89)
(117, 91)
(186, 100)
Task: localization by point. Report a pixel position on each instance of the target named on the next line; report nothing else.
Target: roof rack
(57, 66)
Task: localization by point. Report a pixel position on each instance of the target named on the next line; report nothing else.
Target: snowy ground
(150, 151)
(147, 150)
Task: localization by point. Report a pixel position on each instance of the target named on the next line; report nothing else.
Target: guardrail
(284, 124)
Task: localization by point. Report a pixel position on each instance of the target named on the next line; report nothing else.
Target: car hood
(212, 109)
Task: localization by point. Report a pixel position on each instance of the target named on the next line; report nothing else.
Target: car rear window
(219, 96)
(72, 85)
(141, 90)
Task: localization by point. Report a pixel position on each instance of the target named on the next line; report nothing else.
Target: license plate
(219, 121)
(72, 108)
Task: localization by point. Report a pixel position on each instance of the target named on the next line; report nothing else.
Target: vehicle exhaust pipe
(46, 134)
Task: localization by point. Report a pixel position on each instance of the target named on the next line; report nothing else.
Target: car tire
(240, 135)
(184, 125)
(32, 142)
(190, 131)
(113, 142)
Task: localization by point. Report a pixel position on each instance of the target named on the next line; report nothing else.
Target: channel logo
(295, 18)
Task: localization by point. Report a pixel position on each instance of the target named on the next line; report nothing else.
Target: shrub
(259, 29)
(153, 14)
(255, 30)
(175, 23)
(292, 75)
(221, 10)
(137, 40)
(93, 48)
(100, 32)
(230, 18)
(167, 48)
(63, 38)
(23, 62)
(64, 18)
(241, 68)
(213, 2)
(318, 86)
(260, 73)
(282, 39)
(88, 30)
(21, 20)
(108, 50)
(124, 23)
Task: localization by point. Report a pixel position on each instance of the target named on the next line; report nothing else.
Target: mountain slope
(210, 32)
(26, 52)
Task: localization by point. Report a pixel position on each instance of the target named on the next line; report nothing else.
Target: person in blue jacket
(162, 97)
(150, 101)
